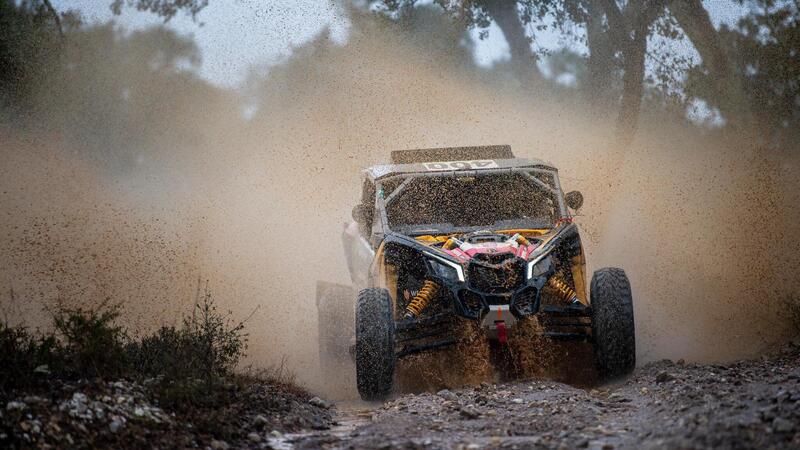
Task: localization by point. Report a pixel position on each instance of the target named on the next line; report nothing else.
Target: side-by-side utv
(466, 234)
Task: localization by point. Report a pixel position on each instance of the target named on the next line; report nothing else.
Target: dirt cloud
(704, 229)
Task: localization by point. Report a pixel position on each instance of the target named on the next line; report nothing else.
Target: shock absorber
(422, 299)
(521, 240)
(562, 289)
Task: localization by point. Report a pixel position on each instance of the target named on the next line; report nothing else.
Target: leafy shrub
(191, 362)
(87, 343)
(23, 354)
(205, 347)
(91, 345)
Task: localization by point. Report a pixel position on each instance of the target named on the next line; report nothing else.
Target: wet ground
(672, 405)
(751, 404)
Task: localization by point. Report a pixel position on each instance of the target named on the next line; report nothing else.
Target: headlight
(445, 268)
(540, 265)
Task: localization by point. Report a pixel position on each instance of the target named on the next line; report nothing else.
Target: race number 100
(461, 165)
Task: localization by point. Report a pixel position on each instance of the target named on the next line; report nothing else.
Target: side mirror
(574, 200)
(361, 213)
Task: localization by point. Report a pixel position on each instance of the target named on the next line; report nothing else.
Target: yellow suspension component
(521, 240)
(422, 299)
(564, 292)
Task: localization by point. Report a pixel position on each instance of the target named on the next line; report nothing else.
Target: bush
(22, 354)
(87, 343)
(192, 360)
(91, 345)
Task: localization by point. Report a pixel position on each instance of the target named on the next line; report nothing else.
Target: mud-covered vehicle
(444, 236)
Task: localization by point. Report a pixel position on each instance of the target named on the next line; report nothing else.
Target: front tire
(375, 357)
(612, 323)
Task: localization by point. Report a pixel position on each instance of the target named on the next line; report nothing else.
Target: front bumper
(471, 303)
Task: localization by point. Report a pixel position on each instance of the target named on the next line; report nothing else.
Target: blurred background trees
(745, 73)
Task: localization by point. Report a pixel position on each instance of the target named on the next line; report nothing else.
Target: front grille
(472, 302)
(525, 301)
(496, 273)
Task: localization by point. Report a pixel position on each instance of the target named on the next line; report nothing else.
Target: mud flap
(336, 319)
(502, 334)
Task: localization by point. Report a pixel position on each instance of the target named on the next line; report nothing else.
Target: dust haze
(253, 205)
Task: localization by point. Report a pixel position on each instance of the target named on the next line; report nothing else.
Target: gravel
(664, 405)
(125, 414)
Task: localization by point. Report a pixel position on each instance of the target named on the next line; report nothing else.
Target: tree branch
(696, 23)
(55, 15)
(506, 15)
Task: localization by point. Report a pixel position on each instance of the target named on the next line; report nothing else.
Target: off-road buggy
(443, 236)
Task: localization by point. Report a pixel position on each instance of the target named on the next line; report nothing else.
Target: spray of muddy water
(704, 230)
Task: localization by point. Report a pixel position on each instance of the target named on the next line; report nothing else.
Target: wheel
(335, 317)
(612, 323)
(375, 357)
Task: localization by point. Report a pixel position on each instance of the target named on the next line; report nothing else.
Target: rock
(319, 403)
(115, 426)
(259, 421)
(782, 425)
(53, 429)
(32, 399)
(469, 412)
(447, 395)
(43, 369)
(254, 437)
(138, 412)
(275, 433)
(15, 406)
(517, 401)
(219, 445)
(663, 377)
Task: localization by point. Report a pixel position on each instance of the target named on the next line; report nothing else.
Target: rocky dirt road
(664, 405)
(672, 405)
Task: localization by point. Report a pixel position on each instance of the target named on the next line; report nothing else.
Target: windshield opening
(452, 203)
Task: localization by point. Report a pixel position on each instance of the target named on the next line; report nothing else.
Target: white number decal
(461, 165)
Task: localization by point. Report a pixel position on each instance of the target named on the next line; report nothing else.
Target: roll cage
(377, 199)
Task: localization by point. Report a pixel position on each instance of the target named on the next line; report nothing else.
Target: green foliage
(208, 346)
(25, 356)
(765, 49)
(164, 8)
(29, 40)
(90, 344)
(186, 363)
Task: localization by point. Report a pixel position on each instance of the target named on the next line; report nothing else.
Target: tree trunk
(696, 23)
(630, 28)
(599, 87)
(523, 59)
(632, 84)
(56, 17)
